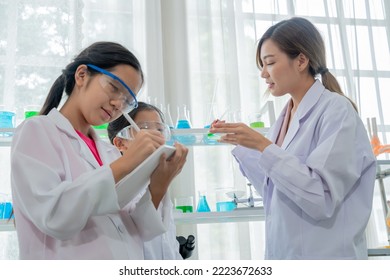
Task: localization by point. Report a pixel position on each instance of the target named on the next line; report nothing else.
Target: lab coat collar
(307, 103)
(63, 124)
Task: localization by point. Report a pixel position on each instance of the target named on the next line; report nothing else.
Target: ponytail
(330, 83)
(54, 97)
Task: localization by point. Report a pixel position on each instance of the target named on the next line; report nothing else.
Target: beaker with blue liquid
(7, 120)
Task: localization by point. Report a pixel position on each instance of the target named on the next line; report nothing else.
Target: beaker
(255, 120)
(224, 202)
(31, 110)
(7, 120)
(184, 203)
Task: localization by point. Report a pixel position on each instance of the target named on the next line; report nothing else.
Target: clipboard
(136, 181)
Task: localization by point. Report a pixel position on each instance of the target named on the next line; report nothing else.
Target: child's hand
(166, 171)
(142, 146)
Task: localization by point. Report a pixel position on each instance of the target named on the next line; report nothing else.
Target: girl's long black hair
(103, 54)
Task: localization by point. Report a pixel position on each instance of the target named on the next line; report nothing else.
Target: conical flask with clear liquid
(168, 117)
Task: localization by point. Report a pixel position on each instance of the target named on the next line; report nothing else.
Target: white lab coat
(65, 204)
(318, 186)
(164, 246)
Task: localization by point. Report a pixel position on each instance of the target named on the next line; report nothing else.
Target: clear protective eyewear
(116, 89)
(129, 132)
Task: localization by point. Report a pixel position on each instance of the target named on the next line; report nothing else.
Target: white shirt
(65, 204)
(318, 186)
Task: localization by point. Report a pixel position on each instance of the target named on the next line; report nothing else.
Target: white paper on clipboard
(131, 185)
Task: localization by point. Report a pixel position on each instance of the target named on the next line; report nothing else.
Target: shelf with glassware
(244, 214)
(189, 137)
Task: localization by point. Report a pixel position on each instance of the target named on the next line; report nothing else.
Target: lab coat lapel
(307, 103)
(274, 131)
(291, 132)
(79, 145)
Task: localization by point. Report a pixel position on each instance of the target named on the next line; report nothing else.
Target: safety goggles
(116, 89)
(129, 132)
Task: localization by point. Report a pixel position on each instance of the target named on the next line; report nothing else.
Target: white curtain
(200, 53)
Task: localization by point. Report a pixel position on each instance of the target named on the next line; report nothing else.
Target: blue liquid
(203, 206)
(184, 139)
(183, 124)
(226, 206)
(7, 120)
(5, 210)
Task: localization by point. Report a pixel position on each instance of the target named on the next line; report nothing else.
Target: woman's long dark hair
(105, 55)
(117, 125)
(298, 35)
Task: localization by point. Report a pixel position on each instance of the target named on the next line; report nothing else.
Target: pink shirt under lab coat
(318, 186)
(66, 205)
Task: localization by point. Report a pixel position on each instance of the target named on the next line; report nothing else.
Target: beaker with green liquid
(185, 204)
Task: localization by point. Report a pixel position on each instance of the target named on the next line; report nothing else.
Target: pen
(131, 121)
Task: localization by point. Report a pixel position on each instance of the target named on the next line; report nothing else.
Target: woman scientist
(316, 169)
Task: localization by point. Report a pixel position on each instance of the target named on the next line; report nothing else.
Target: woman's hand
(240, 134)
(142, 146)
(165, 172)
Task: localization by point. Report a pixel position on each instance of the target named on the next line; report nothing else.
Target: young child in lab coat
(316, 169)
(64, 178)
(147, 116)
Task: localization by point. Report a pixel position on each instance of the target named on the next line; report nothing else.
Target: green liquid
(256, 124)
(102, 126)
(185, 208)
(29, 114)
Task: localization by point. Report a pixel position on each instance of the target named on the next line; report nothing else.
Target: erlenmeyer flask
(168, 117)
(182, 118)
(203, 206)
(186, 138)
